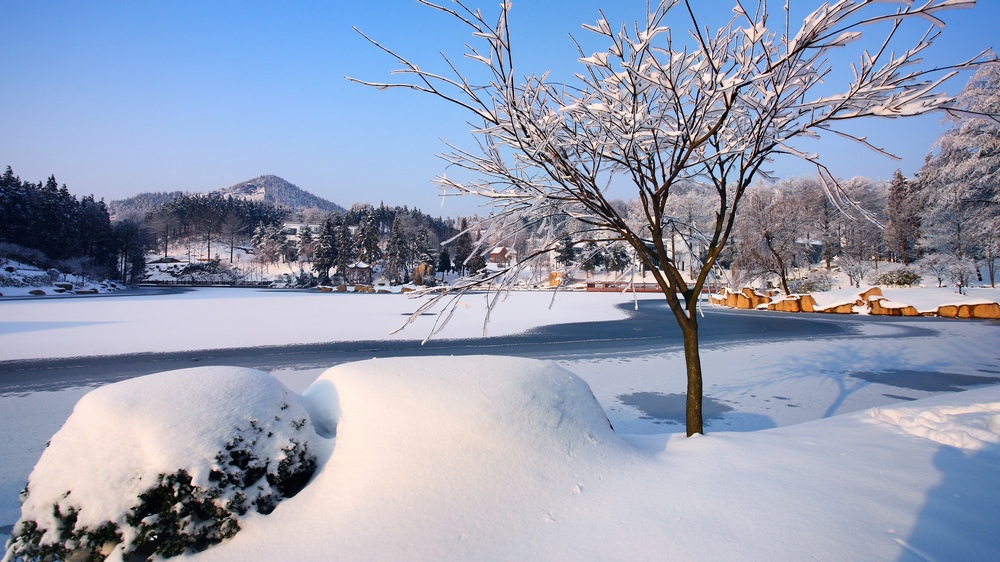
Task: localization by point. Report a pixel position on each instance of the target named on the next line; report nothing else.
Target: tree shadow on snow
(670, 409)
(851, 367)
(960, 519)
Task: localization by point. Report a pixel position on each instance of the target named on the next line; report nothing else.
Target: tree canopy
(657, 109)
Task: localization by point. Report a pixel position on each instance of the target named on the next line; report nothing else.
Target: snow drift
(469, 458)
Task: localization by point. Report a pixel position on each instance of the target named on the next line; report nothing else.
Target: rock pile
(872, 299)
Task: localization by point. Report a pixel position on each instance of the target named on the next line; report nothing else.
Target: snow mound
(448, 458)
(399, 418)
(972, 426)
(166, 463)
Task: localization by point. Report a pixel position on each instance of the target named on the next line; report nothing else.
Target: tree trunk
(693, 413)
(784, 278)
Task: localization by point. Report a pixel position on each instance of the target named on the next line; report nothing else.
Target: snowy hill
(267, 188)
(279, 192)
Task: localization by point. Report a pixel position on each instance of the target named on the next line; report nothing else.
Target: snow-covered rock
(166, 464)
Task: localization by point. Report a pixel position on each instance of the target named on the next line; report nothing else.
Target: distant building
(291, 230)
(358, 273)
(502, 256)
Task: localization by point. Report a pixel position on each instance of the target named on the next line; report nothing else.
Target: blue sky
(117, 98)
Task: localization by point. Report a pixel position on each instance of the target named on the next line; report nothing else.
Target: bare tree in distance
(772, 223)
(657, 109)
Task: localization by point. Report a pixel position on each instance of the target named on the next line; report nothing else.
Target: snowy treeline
(226, 220)
(45, 225)
(943, 223)
(232, 239)
(408, 244)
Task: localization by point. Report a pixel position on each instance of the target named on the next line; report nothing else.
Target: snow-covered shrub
(16, 279)
(814, 282)
(304, 279)
(164, 465)
(902, 277)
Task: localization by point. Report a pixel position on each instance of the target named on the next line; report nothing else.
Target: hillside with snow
(267, 188)
(279, 192)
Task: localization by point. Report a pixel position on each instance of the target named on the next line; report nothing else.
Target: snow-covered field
(499, 458)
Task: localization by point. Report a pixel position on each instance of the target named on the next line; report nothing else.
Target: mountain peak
(280, 192)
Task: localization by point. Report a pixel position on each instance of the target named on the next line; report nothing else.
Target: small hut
(502, 256)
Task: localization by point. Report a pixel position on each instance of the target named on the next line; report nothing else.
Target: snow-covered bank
(18, 279)
(442, 458)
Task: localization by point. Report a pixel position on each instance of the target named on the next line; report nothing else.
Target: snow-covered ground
(499, 458)
(18, 280)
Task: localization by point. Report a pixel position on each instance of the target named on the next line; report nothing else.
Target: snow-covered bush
(902, 277)
(163, 465)
(20, 279)
(816, 281)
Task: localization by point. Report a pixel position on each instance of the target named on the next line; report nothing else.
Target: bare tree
(657, 109)
(769, 229)
(860, 227)
(234, 229)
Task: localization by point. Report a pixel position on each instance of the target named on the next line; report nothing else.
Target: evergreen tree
(422, 251)
(617, 258)
(268, 242)
(444, 262)
(367, 243)
(398, 255)
(345, 248)
(326, 249)
(903, 206)
(306, 247)
(130, 245)
(95, 236)
(566, 254)
(463, 247)
(591, 257)
(477, 263)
